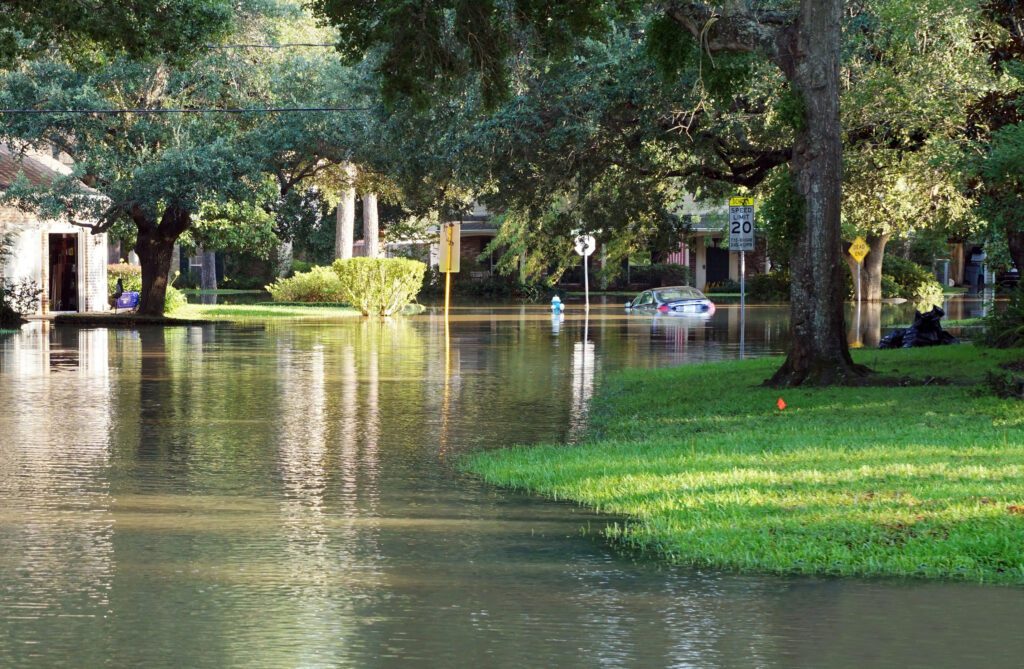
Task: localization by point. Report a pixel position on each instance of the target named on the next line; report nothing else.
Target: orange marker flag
(781, 404)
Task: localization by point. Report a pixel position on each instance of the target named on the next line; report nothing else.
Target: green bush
(889, 287)
(17, 299)
(174, 300)
(318, 285)
(491, 287)
(130, 275)
(726, 286)
(301, 266)
(1004, 328)
(915, 282)
(771, 287)
(379, 286)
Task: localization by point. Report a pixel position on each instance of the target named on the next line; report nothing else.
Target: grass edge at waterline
(923, 479)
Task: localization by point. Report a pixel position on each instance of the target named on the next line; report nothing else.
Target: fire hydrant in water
(556, 305)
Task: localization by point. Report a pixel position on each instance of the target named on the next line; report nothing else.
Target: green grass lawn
(917, 480)
(224, 291)
(262, 311)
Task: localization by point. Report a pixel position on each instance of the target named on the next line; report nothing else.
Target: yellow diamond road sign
(858, 249)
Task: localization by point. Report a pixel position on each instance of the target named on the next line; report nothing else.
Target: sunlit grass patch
(914, 480)
(255, 312)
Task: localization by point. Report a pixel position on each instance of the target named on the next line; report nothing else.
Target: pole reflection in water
(583, 369)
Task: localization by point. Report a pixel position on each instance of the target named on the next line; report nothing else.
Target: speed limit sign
(741, 224)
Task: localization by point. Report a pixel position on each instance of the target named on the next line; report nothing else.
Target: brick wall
(28, 259)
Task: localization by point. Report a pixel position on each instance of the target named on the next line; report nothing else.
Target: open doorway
(717, 265)
(63, 272)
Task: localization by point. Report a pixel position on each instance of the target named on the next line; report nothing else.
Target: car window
(684, 293)
(645, 298)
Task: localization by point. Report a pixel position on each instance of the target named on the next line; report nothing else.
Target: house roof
(39, 170)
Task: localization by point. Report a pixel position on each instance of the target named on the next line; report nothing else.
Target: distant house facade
(476, 230)
(703, 249)
(67, 262)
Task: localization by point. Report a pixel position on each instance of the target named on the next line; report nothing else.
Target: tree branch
(749, 174)
(733, 27)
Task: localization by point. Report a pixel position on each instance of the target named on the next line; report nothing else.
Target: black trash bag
(894, 339)
(926, 331)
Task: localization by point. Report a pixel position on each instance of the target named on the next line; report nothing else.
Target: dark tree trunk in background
(873, 267)
(346, 216)
(808, 54)
(1015, 243)
(871, 272)
(155, 248)
(371, 225)
(208, 274)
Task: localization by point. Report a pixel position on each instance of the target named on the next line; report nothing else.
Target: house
(704, 248)
(67, 262)
(476, 230)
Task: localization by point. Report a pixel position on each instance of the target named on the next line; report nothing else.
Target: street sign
(448, 259)
(585, 244)
(741, 224)
(858, 249)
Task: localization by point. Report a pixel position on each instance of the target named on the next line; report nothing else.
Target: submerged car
(672, 300)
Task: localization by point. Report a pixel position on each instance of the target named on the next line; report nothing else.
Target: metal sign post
(743, 303)
(585, 245)
(858, 251)
(741, 238)
(448, 261)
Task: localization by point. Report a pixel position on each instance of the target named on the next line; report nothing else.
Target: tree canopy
(77, 28)
(164, 174)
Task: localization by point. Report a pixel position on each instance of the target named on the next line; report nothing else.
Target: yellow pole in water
(446, 396)
(448, 271)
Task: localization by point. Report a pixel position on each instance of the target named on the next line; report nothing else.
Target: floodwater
(285, 496)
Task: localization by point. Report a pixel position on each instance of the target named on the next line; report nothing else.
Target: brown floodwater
(285, 495)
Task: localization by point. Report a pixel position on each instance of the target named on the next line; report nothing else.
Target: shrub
(174, 300)
(1005, 328)
(9, 318)
(301, 266)
(726, 286)
(130, 275)
(889, 287)
(318, 285)
(771, 287)
(16, 300)
(915, 282)
(491, 287)
(379, 286)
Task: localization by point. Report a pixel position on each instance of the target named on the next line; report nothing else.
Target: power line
(198, 110)
(285, 45)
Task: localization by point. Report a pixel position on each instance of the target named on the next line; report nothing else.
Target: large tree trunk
(155, 248)
(809, 57)
(346, 218)
(805, 46)
(371, 225)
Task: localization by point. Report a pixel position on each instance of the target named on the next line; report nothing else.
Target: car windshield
(684, 293)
